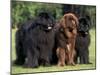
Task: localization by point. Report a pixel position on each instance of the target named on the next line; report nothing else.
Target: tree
(22, 11)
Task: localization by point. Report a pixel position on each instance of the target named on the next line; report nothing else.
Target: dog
(35, 41)
(20, 39)
(66, 37)
(83, 40)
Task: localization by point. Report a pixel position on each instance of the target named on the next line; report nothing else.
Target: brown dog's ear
(62, 22)
(76, 18)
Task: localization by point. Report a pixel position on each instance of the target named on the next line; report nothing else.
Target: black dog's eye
(51, 24)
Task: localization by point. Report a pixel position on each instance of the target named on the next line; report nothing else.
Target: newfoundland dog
(83, 40)
(66, 37)
(35, 41)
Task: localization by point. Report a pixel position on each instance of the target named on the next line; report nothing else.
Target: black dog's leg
(45, 56)
(32, 59)
(76, 59)
(47, 61)
(76, 56)
(86, 57)
(81, 59)
(20, 57)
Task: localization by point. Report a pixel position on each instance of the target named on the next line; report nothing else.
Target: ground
(92, 50)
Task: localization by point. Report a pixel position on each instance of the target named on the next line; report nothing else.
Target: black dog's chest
(42, 38)
(45, 37)
(83, 41)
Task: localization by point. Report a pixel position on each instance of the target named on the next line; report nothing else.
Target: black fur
(83, 41)
(19, 40)
(35, 41)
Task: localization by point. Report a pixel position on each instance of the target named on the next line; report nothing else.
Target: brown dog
(66, 39)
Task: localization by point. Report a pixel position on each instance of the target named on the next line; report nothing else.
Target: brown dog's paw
(60, 64)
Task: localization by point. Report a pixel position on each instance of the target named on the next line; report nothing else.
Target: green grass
(92, 50)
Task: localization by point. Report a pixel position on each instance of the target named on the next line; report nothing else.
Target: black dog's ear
(88, 20)
(88, 17)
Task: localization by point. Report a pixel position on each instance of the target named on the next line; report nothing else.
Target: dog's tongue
(49, 27)
(86, 32)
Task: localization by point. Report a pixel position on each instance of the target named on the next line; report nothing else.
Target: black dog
(20, 39)
(35, 41)
(83, 40)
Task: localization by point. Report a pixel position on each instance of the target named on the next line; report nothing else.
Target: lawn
(92, 50)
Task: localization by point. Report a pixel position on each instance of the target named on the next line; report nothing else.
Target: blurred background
(23, 10)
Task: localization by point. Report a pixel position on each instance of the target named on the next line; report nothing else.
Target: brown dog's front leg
(61, 56)
(71, 54)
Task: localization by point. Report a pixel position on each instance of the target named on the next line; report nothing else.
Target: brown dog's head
(69, 21)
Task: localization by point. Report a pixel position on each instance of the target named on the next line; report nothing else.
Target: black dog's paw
(17, 62)
(85, 63)
(30, 66)
(44, 63)
(47, 64)
(89, 63)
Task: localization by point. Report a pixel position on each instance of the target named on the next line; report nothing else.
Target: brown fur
(66, 39)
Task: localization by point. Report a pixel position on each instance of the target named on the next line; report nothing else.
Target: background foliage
(23, 10)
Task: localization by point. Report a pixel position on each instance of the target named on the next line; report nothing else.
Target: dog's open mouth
(86, 33)
(82, 33)
(49, 28)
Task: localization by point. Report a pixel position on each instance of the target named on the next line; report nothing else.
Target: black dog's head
(45, 20)
(84, 25)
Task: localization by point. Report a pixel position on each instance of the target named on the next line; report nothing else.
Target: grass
(92, 50)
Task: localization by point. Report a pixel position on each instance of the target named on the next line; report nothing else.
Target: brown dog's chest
(68, 33)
